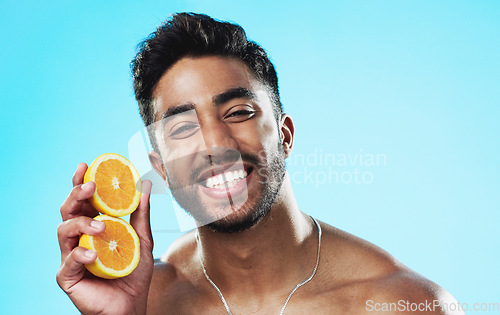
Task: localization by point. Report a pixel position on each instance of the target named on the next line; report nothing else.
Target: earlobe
(157, 164)
(287, 132)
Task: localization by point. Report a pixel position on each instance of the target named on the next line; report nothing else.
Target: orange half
(117, 248)
(118, 185)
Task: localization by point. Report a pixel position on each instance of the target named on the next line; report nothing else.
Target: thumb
(139, 219)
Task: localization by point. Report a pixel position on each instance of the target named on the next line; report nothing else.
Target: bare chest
(195, 301)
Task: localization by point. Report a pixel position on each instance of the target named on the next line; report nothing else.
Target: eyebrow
(177, 110)
(217, 100)
(234, 93)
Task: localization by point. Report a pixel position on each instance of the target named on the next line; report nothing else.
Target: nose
(220, 146)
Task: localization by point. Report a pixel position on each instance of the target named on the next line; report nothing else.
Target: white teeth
(228, 179)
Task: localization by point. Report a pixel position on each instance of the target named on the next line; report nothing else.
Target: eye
(183, 130)
(239, 115)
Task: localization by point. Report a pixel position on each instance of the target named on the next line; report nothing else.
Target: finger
(69, 232)
(72, 269)
(79, 174)
(74, 204)
(139, 219)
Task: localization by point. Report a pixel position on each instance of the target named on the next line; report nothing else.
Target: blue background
(413, 81)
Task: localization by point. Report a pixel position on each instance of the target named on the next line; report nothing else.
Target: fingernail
(96, 224)
(84, 186)
(89, 253)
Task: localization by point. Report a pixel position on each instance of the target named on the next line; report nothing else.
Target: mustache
(197, 163)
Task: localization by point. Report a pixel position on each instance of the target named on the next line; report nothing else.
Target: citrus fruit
(118, 185)
(117, 248)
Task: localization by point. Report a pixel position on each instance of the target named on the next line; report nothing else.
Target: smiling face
(220, 144)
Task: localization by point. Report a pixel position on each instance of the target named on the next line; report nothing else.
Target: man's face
(219, 142)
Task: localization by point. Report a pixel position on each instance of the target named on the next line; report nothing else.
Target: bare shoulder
(347, 259)
(407, 291)
(175, 276)
(368, 274)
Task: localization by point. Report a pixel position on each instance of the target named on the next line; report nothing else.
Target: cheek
(269, 135)
(179, 161)
(257, 133)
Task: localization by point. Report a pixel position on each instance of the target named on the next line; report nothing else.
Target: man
(210, 100)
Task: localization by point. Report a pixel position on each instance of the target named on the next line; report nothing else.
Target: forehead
(197, 80)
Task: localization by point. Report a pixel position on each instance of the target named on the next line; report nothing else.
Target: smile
(225, 180)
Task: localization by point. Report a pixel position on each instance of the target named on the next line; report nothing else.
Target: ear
(287, 131)
(157, 164)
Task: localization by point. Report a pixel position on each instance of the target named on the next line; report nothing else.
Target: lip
(225, 193)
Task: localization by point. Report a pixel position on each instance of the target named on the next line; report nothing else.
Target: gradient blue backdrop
(413, 81)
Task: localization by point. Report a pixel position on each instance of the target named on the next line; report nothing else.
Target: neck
(271, 257)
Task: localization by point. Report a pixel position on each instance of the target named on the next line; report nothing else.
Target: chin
(246, 216)
(239, 221)
(228, 218)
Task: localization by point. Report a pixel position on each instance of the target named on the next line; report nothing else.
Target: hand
(90, 294)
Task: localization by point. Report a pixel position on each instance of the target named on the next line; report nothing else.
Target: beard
(243, 214)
